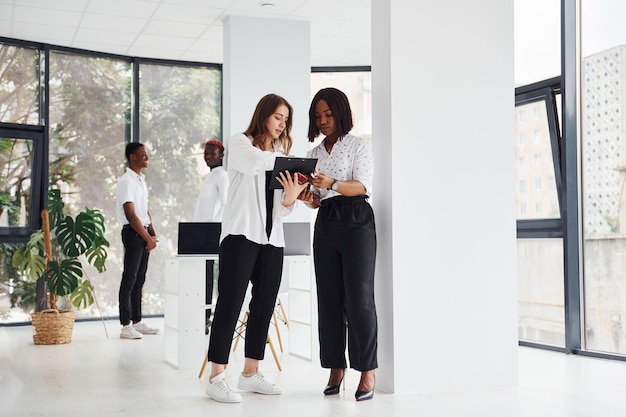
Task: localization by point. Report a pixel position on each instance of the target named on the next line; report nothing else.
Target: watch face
(334, 186)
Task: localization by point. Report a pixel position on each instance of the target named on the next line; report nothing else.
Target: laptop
(196, 238)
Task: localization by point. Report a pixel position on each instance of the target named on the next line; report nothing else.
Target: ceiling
(185, 30)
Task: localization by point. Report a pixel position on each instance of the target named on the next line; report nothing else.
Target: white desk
(185, 306)
(185, 303)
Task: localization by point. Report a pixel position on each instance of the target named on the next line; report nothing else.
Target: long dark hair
(264, 109)
(339, 107)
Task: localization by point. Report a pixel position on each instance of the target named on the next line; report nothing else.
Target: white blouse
(212, 196)
(245, 211)
(351, 158)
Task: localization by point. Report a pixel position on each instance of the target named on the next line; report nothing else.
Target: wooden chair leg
(240, 330)
(269, 340)
(283, 312)
(204, 364)
(280, 339)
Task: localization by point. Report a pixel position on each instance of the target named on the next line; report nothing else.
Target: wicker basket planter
(53, 327)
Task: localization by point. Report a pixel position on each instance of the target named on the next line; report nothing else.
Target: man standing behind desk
(214, 190)
(138, 237)
(212, 200)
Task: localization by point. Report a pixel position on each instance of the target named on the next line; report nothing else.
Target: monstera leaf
(63, 277)
(97, 256)
(69, 240)
(82, 296)
(75, 237)
(55, 207)
(28, 258)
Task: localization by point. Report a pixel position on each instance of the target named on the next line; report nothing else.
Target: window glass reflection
(19, 85)
(535, 180)
(603, 172)
(15, 181)
(540, 291)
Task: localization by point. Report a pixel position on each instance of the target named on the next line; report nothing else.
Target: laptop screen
(199, 238)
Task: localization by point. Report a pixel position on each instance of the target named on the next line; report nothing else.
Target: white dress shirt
(132, 188)
(245, 212)
(212, 197)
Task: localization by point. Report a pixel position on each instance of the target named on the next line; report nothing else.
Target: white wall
(263, 56)
(443, 136)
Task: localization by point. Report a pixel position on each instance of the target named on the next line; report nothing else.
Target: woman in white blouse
(252, 243)
(344, 243)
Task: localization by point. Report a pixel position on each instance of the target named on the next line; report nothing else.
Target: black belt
(128, 226)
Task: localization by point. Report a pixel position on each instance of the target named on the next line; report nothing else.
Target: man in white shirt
(214, 190)
(212, 200)
(138, 237)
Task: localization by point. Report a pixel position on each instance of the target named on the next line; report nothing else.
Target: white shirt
(351, 158)
(212, 198)
(245, 211)
(132, 188)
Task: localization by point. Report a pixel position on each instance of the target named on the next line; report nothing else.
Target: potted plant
(56, 252)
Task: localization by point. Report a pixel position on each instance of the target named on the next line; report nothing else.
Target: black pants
(133, 276)
(344, 250)
(242, 261)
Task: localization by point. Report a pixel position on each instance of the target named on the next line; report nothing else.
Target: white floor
(99, 376)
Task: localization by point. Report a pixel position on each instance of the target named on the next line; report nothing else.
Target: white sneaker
(219, 390)
(143, 328)
(129, 332)
(257, 383)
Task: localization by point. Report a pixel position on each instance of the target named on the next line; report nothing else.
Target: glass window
(180, 109)
(540, 291)
(537, 45)
(16, 159)
(540, 173)
(19, 85)
(89, 126)
(603, 173)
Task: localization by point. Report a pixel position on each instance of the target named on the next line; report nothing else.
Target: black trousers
(133, 276)
(344, 250)
(242, 261)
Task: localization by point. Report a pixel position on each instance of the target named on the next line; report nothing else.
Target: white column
(263, 56)
(443, 136)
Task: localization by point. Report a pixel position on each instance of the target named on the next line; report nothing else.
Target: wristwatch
(335, 185)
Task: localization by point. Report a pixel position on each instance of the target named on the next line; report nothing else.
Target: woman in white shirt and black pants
(252, 243)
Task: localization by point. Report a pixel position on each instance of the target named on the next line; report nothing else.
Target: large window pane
(19, 85)
(89, 119)
(536, 193)
(16, 158)
(537, 46)
(603, 158)
(180, 109)
(540, 252)
(540, 291)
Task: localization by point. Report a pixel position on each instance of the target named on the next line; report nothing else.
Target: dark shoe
(361, 394)
(364, 395)
(334, 389)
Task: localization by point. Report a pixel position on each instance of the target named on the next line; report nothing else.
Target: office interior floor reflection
(99, 376)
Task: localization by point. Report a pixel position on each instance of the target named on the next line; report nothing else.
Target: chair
(241, 328)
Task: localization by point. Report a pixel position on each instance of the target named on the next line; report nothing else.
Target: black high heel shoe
(365, 395)
(334, 389)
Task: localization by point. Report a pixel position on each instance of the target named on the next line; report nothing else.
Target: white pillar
(443, 137)
(263, 56)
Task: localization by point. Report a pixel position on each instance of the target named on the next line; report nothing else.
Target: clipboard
(292, 164)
